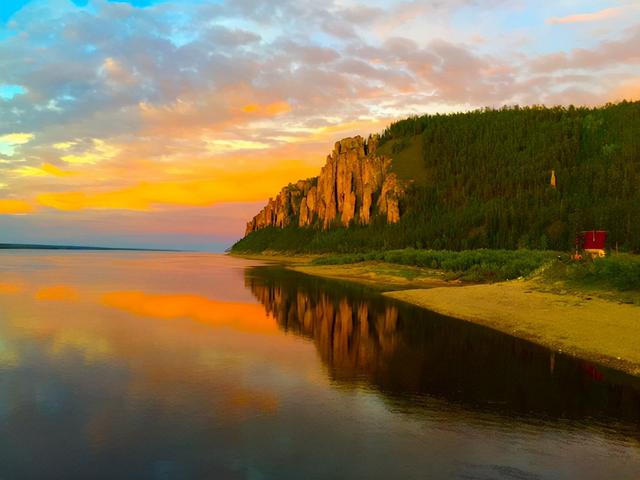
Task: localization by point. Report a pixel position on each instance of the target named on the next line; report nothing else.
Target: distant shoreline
(35, 246)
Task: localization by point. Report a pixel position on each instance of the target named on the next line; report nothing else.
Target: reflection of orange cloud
(8, 206)
(57, 292)
(241, 316)
(254, 400)
(222, 187)
(93, 347)
(10, 288)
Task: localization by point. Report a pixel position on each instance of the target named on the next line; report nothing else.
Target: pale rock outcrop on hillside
(354, 185)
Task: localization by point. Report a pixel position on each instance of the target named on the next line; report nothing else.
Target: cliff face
(355, 184)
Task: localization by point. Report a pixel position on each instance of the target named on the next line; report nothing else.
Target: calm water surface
(171, 366)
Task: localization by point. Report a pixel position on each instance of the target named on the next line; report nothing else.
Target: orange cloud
(45, 169)
(220, 187)
(241, 316)
(586, 17)
(9, 206)
(53, 170)
(57, 293)
(339, 130)
(271, 109)
(627, 91)
(193, 114)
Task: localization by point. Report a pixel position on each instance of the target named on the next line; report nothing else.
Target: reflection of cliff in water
(402, 350)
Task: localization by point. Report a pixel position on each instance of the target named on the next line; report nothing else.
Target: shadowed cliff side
(354, 185)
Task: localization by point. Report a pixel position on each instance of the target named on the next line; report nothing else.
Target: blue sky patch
(7, 92)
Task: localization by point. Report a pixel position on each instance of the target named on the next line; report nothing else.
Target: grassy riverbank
(616, 277)
(276, 256)
(590, 309)
(480, 265)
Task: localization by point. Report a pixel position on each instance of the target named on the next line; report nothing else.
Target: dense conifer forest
(484, 181)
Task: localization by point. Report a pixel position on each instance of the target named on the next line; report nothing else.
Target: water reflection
(100, 383)
(240, 316)
(200, 366)
(405, 351)
(57, 292)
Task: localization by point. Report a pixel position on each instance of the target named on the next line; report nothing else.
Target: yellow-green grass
(616, 277)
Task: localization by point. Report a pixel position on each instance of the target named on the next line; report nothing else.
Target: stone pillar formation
(355, 185)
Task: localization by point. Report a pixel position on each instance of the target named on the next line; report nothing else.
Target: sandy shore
(590, 328)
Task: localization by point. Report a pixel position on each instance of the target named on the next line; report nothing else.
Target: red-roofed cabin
(594, 242)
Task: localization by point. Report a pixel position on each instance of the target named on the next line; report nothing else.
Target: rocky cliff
(353, 186)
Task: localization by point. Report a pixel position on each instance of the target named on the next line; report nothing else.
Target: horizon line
(41, 246)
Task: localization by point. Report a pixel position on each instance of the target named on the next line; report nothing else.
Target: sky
(169, 123)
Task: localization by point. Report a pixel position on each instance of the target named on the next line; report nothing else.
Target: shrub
(471, 265)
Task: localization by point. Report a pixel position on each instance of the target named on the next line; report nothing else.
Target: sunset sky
(170, 123)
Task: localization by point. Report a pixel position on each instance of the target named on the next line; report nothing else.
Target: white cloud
(9, 141)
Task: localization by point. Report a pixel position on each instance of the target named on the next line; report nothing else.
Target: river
(189, 365)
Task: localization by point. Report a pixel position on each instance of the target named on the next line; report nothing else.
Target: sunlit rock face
(354, 186)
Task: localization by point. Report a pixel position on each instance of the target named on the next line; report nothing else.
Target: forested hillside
(482, 179)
